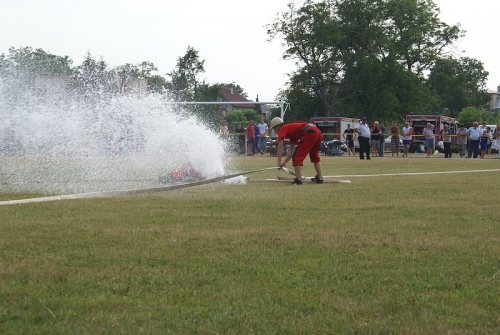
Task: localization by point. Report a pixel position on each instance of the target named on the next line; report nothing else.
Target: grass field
(383, 255)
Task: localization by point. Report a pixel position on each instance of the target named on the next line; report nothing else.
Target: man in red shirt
(250, 138)
(305, 139)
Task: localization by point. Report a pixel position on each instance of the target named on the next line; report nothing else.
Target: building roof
(231, 95)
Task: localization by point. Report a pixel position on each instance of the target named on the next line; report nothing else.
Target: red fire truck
(418, 123)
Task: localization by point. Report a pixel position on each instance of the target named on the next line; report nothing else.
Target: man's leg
(263, 144)
(361, 141)
(319, 172)
(298, 171)
(249, 147)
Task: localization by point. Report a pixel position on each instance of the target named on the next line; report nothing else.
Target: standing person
(429, 139)
(349, 137)
(461, 140)
(255, 147)
(474, 136)
(240, 132)
(250, 138)
(382, 140)
(406, 133)
(446, 138)
(262, 135)
(488, 150)
(485, 136)
(496, 137)
(363, 131)
(305, 138)
(394, 139)
(375, 140)
(224, 130)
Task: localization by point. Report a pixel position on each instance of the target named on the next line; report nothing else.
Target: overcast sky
(229, 35)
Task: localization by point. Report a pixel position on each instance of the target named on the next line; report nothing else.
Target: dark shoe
(317, 180)
(296, 182)
(368, 158)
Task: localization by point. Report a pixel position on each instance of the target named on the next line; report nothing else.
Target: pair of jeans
(262, 143)
(473, 148)
(255, 147)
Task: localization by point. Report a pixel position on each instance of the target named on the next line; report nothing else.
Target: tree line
(94, 80)
(382, 59)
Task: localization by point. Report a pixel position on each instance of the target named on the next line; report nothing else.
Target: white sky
(229, 35)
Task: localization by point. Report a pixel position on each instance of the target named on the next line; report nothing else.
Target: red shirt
(293, 131)
(250, 132)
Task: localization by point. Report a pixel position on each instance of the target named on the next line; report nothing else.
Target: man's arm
(279, 153)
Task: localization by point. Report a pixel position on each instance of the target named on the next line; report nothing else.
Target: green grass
(382, 255)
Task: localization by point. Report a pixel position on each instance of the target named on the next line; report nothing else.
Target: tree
(92, 80)
(305, 103)
(469, 115)
(457, 84)
(144, 70)
(29, 63)
(234, 117)
(312, 36)
(184, 82)
(32, 73)
(362, 56)
(416, 35)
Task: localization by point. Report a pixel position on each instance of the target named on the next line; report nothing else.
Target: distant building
(495, 99)
(266, 110)
(132, 85)
(230, 95)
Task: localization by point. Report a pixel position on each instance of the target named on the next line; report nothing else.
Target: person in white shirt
(406, 133)
(474, 137)
(496, 137)
(363, 131)
(263, 129)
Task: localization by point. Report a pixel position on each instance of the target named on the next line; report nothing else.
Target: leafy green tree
(184, 82)
(305, 104)
(312, 35)
(144, 70)
(93, 80)
(458, 83)
(27, 73)
(490, 117)
(416, 36)
(363, 57)
(469, 115)
(234, 117)
(30, 63)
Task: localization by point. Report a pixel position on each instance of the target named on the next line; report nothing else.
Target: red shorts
(309, 143)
